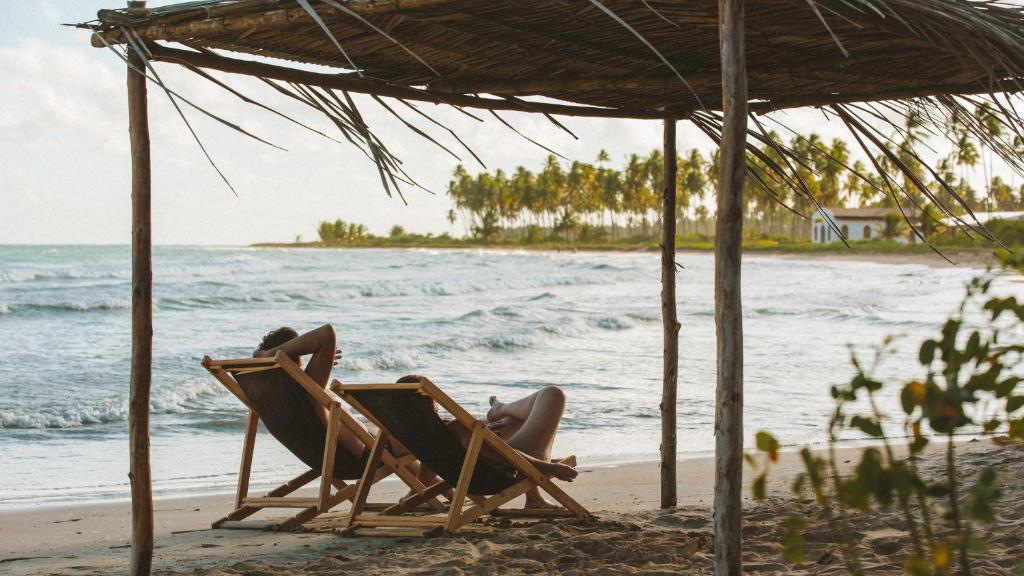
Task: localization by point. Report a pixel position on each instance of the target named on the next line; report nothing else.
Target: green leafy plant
(971, 385)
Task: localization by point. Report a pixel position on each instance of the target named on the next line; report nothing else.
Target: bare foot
(494, 413)
(556, 470)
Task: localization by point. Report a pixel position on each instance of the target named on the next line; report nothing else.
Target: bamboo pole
(670, 322)
(728, 303)
(142, 321)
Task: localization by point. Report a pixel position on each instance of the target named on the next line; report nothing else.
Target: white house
(854, 223)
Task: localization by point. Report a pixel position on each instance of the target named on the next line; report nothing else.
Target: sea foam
(174, 400)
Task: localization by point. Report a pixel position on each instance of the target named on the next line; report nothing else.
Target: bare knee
(328, 333)
(552, 395)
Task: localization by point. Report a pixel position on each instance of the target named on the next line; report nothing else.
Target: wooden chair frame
(225, 371)
(395, 519)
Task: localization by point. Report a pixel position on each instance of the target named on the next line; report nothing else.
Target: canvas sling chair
(278, 392)
(405, 411)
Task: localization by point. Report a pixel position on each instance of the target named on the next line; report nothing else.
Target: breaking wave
(103, 305)
(612, 323)
(176, 400)
(20, 276)
(503, 342)
(380, 361)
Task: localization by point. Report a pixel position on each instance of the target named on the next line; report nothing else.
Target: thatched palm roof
(623, 54)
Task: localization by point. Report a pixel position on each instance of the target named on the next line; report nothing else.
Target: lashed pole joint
(728, 303)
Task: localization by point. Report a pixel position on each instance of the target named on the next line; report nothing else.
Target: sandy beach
(629, 536)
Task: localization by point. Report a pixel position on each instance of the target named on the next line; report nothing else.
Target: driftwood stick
(728, 303)
(670, 323)
(142, 324)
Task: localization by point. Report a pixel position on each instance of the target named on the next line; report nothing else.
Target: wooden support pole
(142, 322)
(728, 303)
(670, 322)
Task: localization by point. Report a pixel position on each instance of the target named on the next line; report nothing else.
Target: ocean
(477, 322)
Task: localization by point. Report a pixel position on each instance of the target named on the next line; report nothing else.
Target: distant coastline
(875, 251)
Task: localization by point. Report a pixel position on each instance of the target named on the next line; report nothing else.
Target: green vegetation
(594, 202)
(971, 384)
(598, 206)
(342, 234)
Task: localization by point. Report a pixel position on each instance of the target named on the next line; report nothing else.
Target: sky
(64, 149)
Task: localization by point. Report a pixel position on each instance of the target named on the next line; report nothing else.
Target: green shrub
(971, 382)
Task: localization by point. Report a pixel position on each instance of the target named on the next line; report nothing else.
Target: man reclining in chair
(529, 426)
(321, 343)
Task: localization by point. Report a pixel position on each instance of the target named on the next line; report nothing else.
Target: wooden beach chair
(281, 394)
(406, 412)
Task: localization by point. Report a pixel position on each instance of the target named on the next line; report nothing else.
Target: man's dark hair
(275, 338)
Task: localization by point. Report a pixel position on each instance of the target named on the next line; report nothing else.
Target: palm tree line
(584, 201)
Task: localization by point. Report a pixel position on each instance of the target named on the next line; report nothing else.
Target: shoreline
(93, 538)
(229, 491)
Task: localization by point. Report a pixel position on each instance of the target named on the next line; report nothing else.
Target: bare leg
(540, 414)
(520, 409)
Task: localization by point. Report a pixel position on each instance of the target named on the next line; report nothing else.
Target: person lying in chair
(321, 343)
(528, 425)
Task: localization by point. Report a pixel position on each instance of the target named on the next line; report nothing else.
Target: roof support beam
(353, 83)
(989, 86)
(829, 73)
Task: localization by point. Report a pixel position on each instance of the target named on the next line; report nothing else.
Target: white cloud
(49, 90)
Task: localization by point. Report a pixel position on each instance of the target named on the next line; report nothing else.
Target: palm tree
(610, 184)
(711, 174)
(701, 212)
(654, 169)
(927, 220)
(1002, 194)
(832, 169)
(993, 127)
(452, 217)
(693, 181)
(550, 186)
(893, 226)
(523, 187)
(634, 186)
